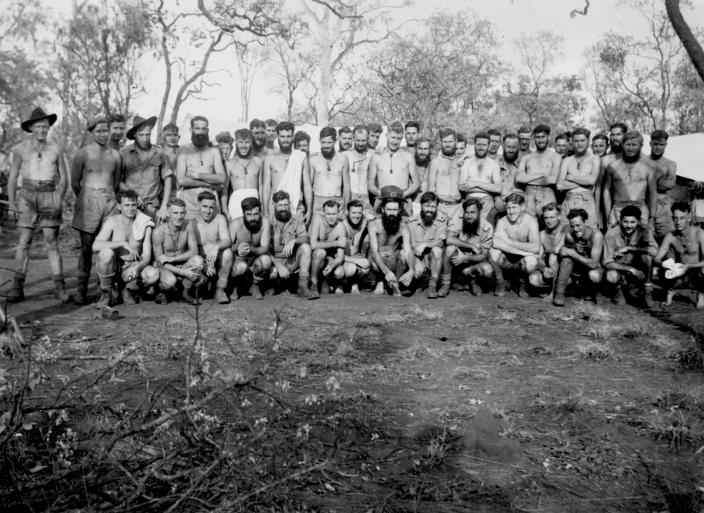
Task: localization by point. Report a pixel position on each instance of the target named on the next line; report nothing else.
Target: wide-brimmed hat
(137, 123)
(391, 193)
(37, 115)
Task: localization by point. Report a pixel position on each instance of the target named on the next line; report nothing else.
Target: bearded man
(251, 236)
(330, 174)
(444, 176)
(422, 157)
(539, 172)
(428, 233)
(258, 129)
(480, 176)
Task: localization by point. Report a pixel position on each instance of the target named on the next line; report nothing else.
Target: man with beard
(358, 159)
(244, 174)
(199, 167)
(40, 164)
(375, 131)
(600, 144)
(508, 167)
(580, 258)
(330, 174)
(665, 177)
(290, 246)
(412, 130)
(539, 171)
(171, 137)
(390, 249)
(494, 143)
(630, 181)
(271, 133)
(480, 176)
(258, 129)
(124, 247)
(176, 256)
(95, 175)
(147, 170)
(469, 240)
(461, 145)
(422, 157)
(356, 265)
(628, 254)
(560, 145)
(552, 238)
(328, 240)
(393, 167)
(276, 168)
(428, 234)
(524, 139)
(686, 244)
(616, 133)
(301, 141)
(345, 136)
(516, 244)
(578, 174)
(224, 141)
(251, 236)
(444, 176)
(214, 244)
(116, 125)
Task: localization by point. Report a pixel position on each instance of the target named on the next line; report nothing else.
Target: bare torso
(629, 182)
(327, 175)
(101, 165)
(244, 173)
(39, 162)
(447, 184)
(394, 168)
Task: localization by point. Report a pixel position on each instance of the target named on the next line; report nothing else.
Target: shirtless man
(630, 181)
(258, 129)
(480, 176)
(251, 236)
(616, 133)
(393, 167)
(560, 145)
(508, 167)
(578, 175)
(524, 139)
(224, 141)
(290, 246)
(44, 181)
(469, 240)
(411, 132)
(356, 265)
(375, 131)
(461, 145)
(428, 233)
(422, 158)
(580, 258)
(245, 173)
(629, 248)
(124, 248)
(665, 177)
(95, 176)
(345, 137)
(600, 144)
(199, 167)
(516, 244)
(552, 238)
(329, 174)
(271, 132)
(494, 143)
(147, 170)
(275, 165)
(539, 171)
(171, 137)
(686, 242)
(175, 247)
(358, 159)
(444, 176)
(301, 141)
(328, 240)
(116, 125)
(390, 249)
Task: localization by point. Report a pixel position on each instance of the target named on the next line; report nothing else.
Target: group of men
(250, 212)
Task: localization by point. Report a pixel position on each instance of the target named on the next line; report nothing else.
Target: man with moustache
(275, 168)
(40, 165)
(665, 178)
(290, 246)
(213, 238)
(411, 132)
(251, 236)
(469, 240)
(422, 158)
(578, 175)
(258, 129)
(580, 258)
(508, 168)
(328, 240)
(616, 132)
(600, 144)
(428, 233)
(480, 176)
(516, 244)
(199, 167)
(95, 176)
(344, 134)
(444, 176)
(356, 265)
(539, 171)
(147, 170)
(330, 174)
(358, 159)
(245, 173)
(686, 245)
(524, 139)
(271, 133)
(630, 180)
(175, 247)
(494, 143)
(171, 137)
(224, 142)
(116, 125)
(461, 145)
(301, 141)
(375, 131)
(629, 248)
(552, 238)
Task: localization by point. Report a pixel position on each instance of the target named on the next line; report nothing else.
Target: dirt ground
(354, 404)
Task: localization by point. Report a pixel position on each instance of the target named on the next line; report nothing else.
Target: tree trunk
(690, 43)
(321, 101)
(167, 87)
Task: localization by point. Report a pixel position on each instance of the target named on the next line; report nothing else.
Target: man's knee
(51, 239)
(436, 254)
(536, 279)
(319, 254)
(596, 275)
(196, 262)
(262, 263)
(529, 264)
(239, 268)
(304, 250)
(106, 256)
(484, 269)
(339, 272)
(496, 256)
(167, 280)
(612, 276)
(150, 275)
(226, 258)
(450, 251)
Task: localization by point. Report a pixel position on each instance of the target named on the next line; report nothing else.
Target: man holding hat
(41, 166)
(147, 170)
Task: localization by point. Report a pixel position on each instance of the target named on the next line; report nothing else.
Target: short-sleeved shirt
(146, 176)
(484, 237)
(422, 233)
(282, 233)
(615, 239)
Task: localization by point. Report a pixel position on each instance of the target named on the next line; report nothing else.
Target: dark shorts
(39, 204)
(93, 207)
(249, 259)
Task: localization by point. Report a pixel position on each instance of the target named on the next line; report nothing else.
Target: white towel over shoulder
(291, 181)
(140, 225)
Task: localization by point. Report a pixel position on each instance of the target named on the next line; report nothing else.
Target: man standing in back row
(539, 171)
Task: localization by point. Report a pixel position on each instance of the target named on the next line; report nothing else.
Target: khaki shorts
(663, 216)
(39, 204)
(290, 263)
(93, 207)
